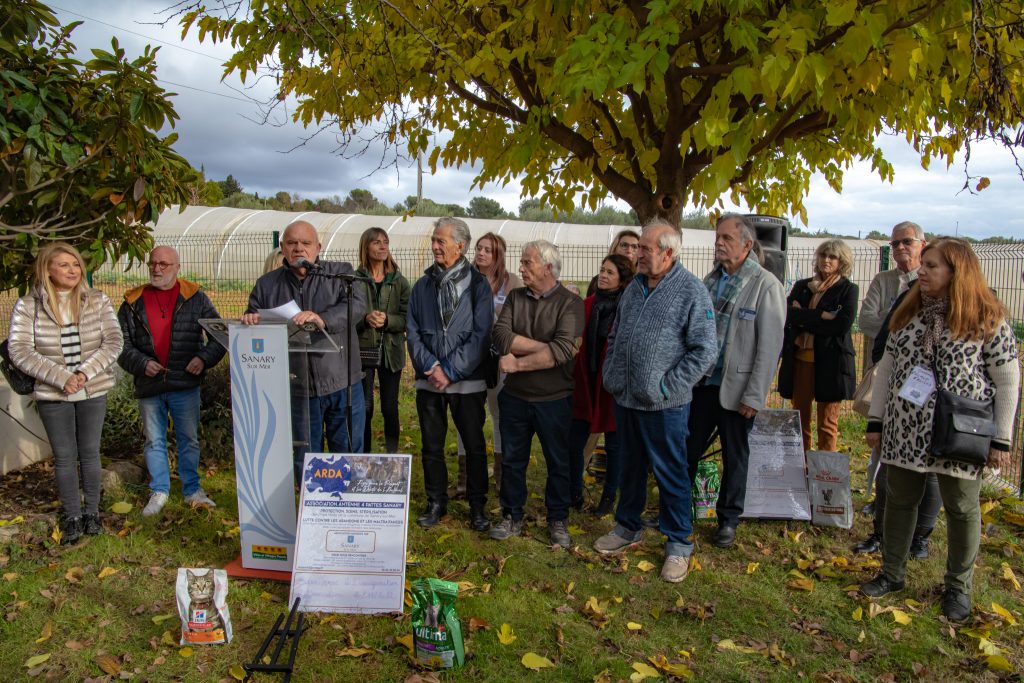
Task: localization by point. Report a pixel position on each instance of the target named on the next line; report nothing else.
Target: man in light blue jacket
(750, 313)
(663, 342)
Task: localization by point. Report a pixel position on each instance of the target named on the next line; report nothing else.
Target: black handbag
(962, 428)
(371, 356)
(21, 383)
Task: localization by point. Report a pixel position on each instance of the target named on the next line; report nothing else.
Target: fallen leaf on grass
(997, 608)
(534, 661)
(36, 661)
(900, 617)
(17, 520)
(505, 635)
(633, 626)
(595, 613)
(237, 672)
(74, 574)
(570, 587)
(642, 671)
(56, 535)
(74, 645)
(695, 565)
(752, 567)
(46, 633)
(442, 538)
(270, 597)
(858, 614)
(107, 571)
(794, 536)
(1010, 577)
(874, 609)
(168, 639)
(405, 640)
(121, 507)
(862, 636)
(801, 585)
(644, 565)
(353, 652)
(728, 645)
(478, 624)
(603, 677)
(11, 576)
(662, 664)
(1014, 518)
(161, 618)
(185, 652)
(998, 663)
(109, 664)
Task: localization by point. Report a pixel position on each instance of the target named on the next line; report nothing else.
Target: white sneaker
(156, 503)
(200, 499)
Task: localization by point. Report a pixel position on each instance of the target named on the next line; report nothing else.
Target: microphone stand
(315, 269)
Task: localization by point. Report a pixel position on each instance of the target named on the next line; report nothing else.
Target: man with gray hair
(537, 334)
(750, 314)
(449, 324)
(663, 342)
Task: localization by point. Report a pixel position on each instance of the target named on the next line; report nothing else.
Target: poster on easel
(352, 534)
(776, 474)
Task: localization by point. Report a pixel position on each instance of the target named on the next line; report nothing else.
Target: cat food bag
(436, 631)
(828, 481)
(705, 490)
(202, 606)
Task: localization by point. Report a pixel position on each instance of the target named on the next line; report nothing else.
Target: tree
(484, 207)
(657, 102)
(360, 201)
(230, 186)
(80, 158)
(213, 195)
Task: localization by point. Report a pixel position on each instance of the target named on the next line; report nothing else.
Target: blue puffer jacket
(663, 342)
(459, 347)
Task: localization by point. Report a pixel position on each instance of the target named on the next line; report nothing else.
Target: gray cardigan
(753, 342)
(663, 342)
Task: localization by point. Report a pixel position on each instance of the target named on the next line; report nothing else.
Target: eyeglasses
(906, 242)
(160, 265)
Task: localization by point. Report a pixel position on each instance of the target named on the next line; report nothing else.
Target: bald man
(322, 301)
(167, 353)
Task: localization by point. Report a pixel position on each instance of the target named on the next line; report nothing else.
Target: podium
(270, 418)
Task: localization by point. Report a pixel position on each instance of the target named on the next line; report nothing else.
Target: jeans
(468, 414)
(927, 511)
(520, 420)
(655, 438)
(183, 408)
(328, 418)
(706, 413)
(389, 383)
(579, 434)
(961, 498)
(74, 429)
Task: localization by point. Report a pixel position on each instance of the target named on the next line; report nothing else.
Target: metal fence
(227, 276)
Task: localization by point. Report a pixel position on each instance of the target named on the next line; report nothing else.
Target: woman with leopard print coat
(951, 322)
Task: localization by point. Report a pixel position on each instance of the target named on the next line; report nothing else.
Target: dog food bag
(202, 605)
(436, 630)
(705, 491)
(828, 482)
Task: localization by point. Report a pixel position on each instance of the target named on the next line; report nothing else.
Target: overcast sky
(219, 131)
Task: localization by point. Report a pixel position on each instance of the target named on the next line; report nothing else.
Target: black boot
(919, 545)
(91, 525)
(606, 505)
(70, 529)
(871, 544)
(478, 518)
(432, 515)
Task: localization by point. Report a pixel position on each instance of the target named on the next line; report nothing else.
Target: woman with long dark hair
(66, 335)
(592, 409)
(952, 329)
(382, 332)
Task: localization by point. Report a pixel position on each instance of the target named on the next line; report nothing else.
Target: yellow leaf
(168, 639)
(353, 652)
(644, 565)
(858, 614)
(46, 633)
(269, 597)
(532, 660)
(74, 574)
(122, 507)
(874, 609)
(656, 613)
(56, 535)
(633, 626)
(36, 661)
(801, 585)
(405, 640)
(695, 565)
(998, 663)
(642, 670)
(107, 571)
(987, 647)
(862, 636)
(900, 617)
(794, 536)
(604, 677)
(161, 618)
(752, 567)
(10, 576)
(988, 506)
(442, 538)
(185, 652)
(617, 599)
(569, 588)
(913, 604)
(237, 672)
(1009, 576)
(505, 635)
(998, 609)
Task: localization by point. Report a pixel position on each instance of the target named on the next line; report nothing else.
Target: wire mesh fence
(227, 269)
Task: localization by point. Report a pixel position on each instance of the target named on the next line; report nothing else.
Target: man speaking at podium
(322, 301)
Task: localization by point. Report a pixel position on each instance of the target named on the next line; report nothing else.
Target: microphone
(307, 264)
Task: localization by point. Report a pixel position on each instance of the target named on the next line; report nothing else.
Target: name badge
(499, 300)
(919, 387)
(747, 314)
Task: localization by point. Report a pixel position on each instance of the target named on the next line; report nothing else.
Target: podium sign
(261, 416)
(776, 474)
(351, 540)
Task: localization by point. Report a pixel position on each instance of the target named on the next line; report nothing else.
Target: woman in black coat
(818, 362)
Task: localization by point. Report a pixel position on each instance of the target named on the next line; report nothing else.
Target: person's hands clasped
(376, 319)
(75, 383)
(437, 378)
(873, 439)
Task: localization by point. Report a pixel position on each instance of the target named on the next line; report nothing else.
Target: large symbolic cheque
(261, 415)
(351, 539)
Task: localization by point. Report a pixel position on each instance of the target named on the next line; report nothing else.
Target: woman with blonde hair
(382, 332)
(818, 362)
(949, 333)
(66, 335)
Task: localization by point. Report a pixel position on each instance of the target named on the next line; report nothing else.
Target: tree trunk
(666, 205)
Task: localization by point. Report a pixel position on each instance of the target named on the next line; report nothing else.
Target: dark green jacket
(394, 301)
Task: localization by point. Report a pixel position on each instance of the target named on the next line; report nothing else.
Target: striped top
(71, 345)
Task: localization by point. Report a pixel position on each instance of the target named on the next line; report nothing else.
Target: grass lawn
(776, 607)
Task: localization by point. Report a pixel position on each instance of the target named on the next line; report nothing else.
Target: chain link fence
(227, 270)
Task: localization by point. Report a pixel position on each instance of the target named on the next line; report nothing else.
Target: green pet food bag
(436, 630)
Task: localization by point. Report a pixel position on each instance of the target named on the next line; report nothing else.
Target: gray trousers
(960, 497)
(74, 429)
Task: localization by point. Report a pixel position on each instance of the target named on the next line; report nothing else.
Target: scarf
(602, 315)
(724, 304)
(818, 287)
(447, 283)
(933, 315)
